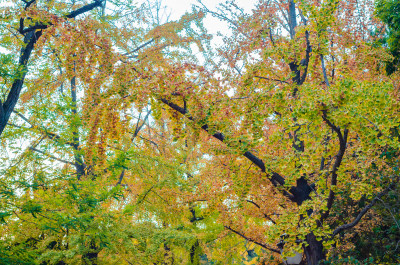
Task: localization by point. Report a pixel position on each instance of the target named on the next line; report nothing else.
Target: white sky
(179, 7)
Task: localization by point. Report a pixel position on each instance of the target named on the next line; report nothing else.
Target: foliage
(388, 12)
(128, 147)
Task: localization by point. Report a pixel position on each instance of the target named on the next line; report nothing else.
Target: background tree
(93, 180)
(29, 19)
(302, 116)
(388, 12)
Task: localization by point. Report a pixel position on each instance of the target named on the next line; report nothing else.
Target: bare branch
(150, 141)
(23, 117)
(138, 128)
(140, 47)
(50, 135)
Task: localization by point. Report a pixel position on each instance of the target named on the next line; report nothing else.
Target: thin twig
(51, 156)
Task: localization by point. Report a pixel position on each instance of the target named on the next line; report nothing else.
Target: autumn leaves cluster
(130, 139)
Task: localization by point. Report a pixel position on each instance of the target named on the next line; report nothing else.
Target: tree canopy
(128, 138)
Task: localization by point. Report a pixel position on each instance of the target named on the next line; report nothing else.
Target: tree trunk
(90, 257)
(314, 251)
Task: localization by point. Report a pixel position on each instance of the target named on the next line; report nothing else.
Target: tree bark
(90, 257)
(314, 251)
(7, 107)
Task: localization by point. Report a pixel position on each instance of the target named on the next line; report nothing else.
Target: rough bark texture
(314, 251)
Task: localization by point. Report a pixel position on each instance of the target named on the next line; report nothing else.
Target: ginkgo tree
(303, 121)
(124, 148)
(91, 180)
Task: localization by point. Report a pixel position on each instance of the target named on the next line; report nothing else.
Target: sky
(179, 7)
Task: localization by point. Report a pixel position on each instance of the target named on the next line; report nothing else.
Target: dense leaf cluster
(127, 138)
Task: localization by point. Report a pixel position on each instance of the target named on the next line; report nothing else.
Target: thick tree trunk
(195, 252)
(90, 257)
(314, 251)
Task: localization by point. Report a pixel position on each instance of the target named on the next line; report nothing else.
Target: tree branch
(51, 156)
(271, 79)
(30, 39)
(296, 193)
(50, 135)
(338, 160)
(140, 47)
(121, 177)
(138, 128)
(324, 70)
(252, 240)
(265, 215)
(84, 9)
(364, 211)
(28, 3)
(79, 164)
(307, 59)
(33, 28)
